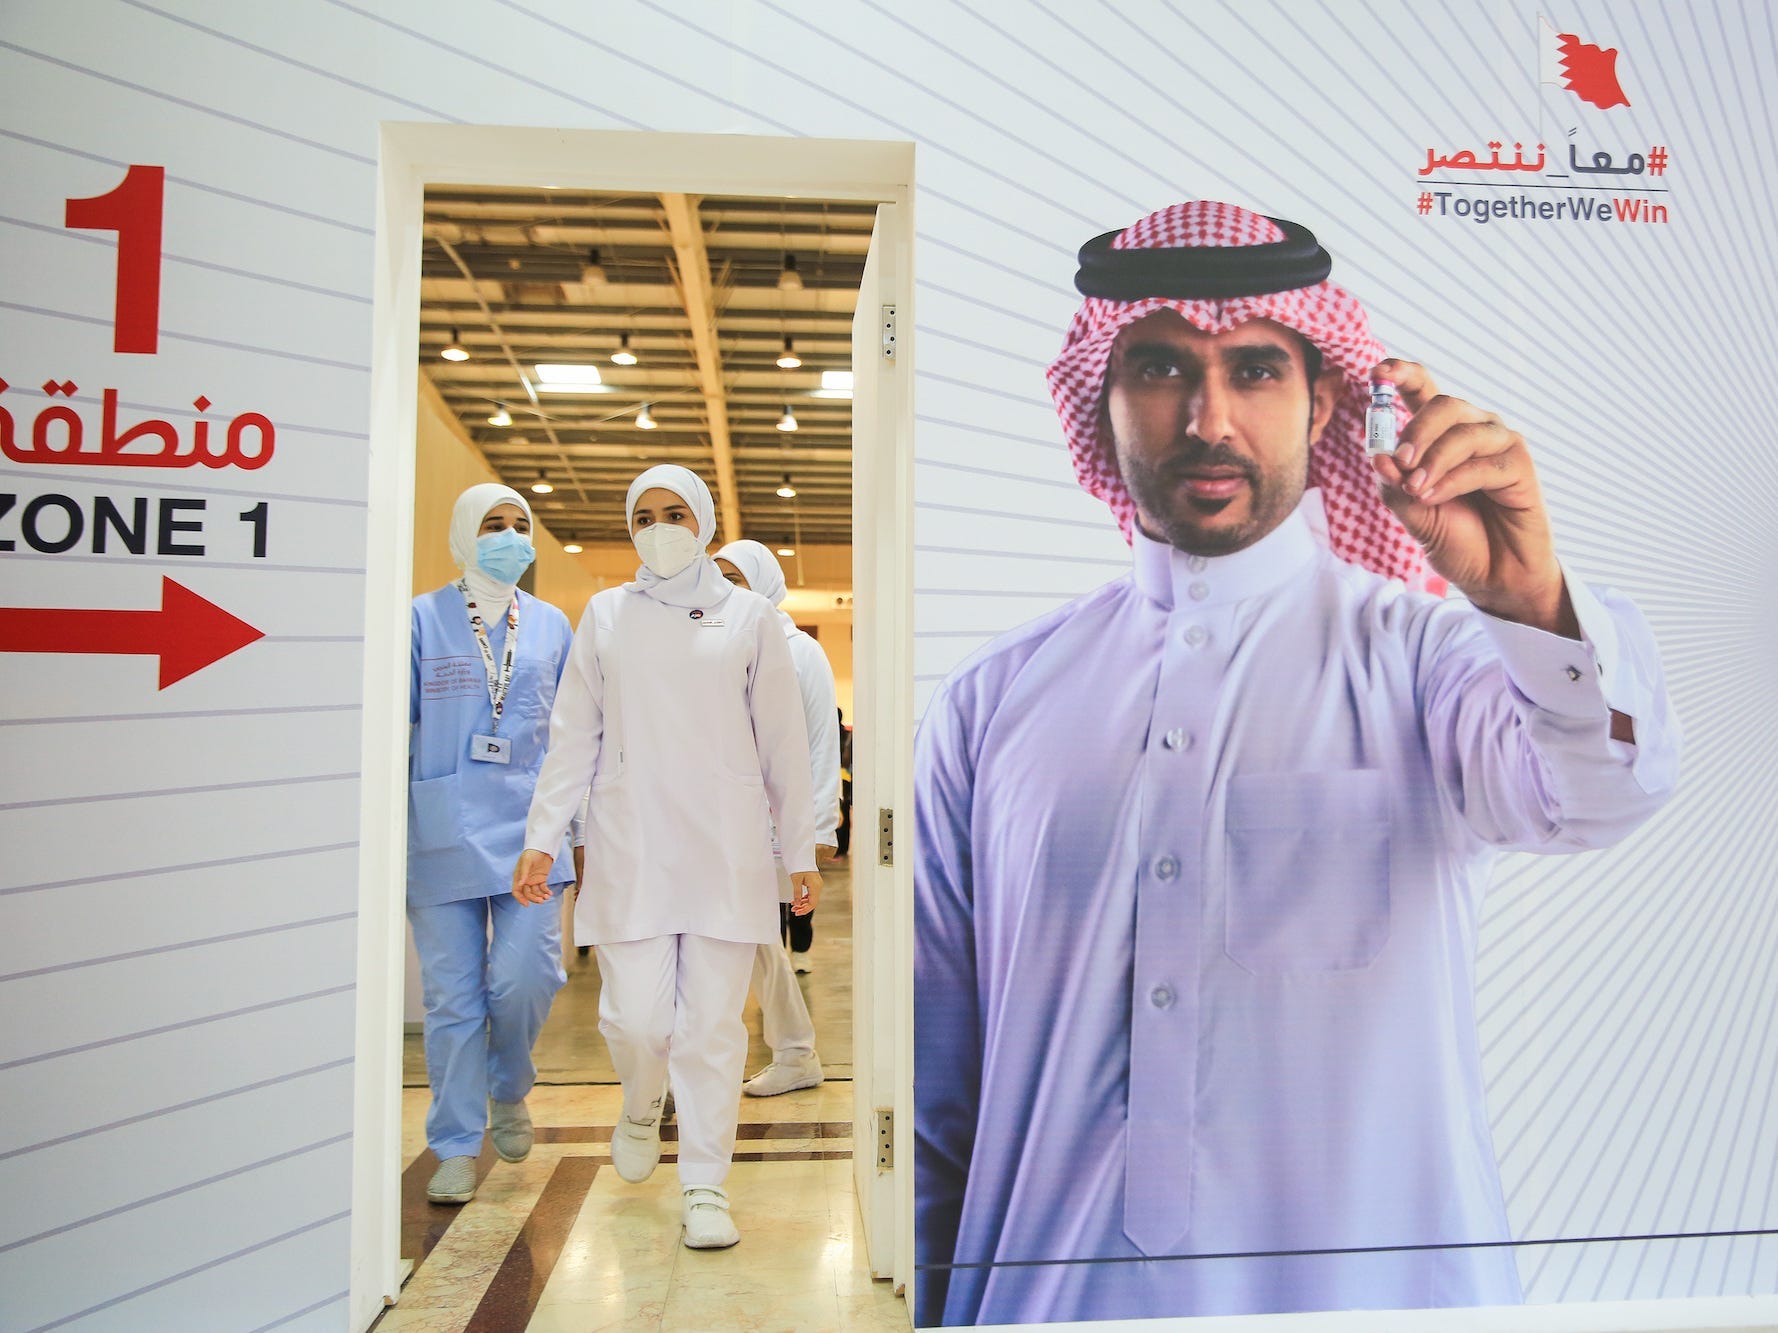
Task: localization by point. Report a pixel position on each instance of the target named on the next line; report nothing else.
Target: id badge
(490, 749)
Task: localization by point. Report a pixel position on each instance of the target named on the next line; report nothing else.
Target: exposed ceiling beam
(768, 459)
(631, 297)
(693, 264)
(512, 280)
(641, 237)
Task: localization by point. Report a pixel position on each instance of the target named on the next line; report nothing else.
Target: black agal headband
(1202, 272)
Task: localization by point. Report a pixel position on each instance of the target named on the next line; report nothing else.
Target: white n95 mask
(667, 548)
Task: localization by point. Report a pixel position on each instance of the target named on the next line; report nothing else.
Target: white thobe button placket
(1164, 1005)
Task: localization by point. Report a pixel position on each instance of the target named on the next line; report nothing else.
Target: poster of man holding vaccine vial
(1201, 854)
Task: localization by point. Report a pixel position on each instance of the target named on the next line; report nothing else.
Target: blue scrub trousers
(487, 994)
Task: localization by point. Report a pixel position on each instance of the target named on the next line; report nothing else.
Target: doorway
(679, 185)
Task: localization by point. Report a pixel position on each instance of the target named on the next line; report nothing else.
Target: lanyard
(498, 681)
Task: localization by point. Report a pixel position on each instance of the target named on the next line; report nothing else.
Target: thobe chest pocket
(1307, 882)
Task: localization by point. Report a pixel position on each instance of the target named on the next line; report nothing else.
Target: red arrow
(187, 633)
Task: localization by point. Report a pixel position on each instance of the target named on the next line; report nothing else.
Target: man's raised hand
(1463, 485)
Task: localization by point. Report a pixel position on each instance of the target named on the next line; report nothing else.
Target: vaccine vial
(1379, 420)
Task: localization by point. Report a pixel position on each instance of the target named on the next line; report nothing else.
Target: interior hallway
(558, 1242)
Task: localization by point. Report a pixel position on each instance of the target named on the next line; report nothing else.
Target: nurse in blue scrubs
(486, 661)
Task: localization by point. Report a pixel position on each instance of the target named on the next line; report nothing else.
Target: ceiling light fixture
(573, 548)
(787, 491)
(645, 419)
(542, 485)
(501, 416)
(789, 280)
(787, 422)
(788, 359)
(834, 384)
(559, 376)
(623, 356)
(592, 271)
(454, 349)
(787, 550)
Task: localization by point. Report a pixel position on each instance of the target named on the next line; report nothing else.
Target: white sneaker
(785, 1076)
(706, 1221)
(799, 961)
(509, 1125)
(453, 1182)
(636, 1149)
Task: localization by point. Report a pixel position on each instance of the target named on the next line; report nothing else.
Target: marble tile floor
(559, 1242)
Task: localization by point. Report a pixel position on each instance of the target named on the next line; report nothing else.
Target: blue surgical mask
(504, 555)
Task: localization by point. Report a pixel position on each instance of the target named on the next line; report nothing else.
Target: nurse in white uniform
(680, 707)
(486, 661)
(789, 1031)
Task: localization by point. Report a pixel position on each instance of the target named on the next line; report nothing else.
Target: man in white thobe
(1200, 855)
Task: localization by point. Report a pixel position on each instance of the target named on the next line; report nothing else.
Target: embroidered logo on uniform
(697, 615)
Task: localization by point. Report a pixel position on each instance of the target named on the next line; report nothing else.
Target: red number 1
(133, 211)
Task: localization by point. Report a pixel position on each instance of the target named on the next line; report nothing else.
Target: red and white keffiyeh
(1361, 529)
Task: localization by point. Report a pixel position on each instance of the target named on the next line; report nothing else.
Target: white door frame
(413, 157)
(882, 770)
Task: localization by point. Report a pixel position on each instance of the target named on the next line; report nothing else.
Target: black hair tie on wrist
(1202, 272)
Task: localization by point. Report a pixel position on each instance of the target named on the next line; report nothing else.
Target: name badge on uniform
(490, 749)
(715, 623)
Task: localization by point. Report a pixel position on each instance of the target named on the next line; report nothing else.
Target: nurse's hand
(805, 892)
(824, 852)
(530, 877)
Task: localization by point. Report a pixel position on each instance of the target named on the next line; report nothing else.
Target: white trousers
(672, 1005)
(784, 1014)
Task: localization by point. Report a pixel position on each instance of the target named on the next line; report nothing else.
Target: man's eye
(1157, 368)
(1256, 372)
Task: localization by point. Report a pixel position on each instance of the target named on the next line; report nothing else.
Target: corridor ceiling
(699, 286)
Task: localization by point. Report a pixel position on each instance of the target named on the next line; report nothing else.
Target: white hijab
(762, 571)
(700, 584)
(491, 596)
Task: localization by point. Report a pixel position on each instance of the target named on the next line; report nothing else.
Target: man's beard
(1183, 518)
